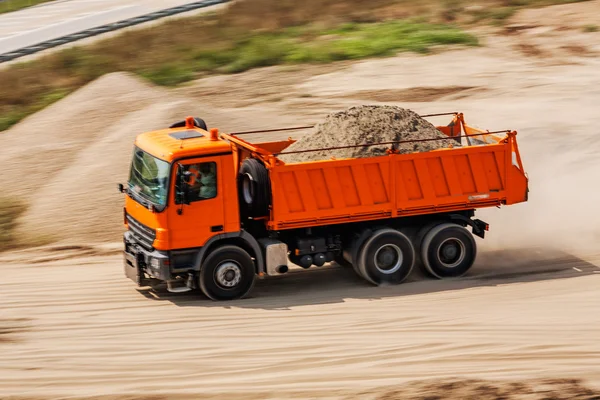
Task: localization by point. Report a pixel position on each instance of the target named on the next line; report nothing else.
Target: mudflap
(478, 226)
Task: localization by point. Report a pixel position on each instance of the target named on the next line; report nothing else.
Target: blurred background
(528, 65)
(14, 5)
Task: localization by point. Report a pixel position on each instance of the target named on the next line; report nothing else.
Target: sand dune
(67, 160)
(86, 331)
(82, 195)
(45, 143)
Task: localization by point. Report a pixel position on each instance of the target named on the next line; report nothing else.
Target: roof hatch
(189, 134)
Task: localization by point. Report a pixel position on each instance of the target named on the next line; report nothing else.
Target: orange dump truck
(211, 211)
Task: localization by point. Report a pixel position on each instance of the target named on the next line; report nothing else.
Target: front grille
(143, 235)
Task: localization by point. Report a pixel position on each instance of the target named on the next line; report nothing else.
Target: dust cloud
(562, 210)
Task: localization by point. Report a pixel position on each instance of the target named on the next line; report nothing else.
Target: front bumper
(141, 265)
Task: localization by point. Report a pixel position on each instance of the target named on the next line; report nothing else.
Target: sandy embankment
(85, 331)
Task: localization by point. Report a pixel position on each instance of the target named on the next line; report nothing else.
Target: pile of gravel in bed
(367, 124)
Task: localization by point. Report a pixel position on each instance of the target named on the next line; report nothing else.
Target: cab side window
(202, 182)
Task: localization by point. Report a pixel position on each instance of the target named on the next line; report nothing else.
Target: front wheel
(227, 274)
(448, 251)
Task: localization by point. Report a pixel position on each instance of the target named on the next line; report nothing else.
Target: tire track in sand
(92, 332)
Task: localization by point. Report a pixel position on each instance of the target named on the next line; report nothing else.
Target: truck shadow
(335, 284)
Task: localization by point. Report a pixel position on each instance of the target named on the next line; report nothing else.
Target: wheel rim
(247, 188)
(388, 259)
(451, 252)
(228, 274)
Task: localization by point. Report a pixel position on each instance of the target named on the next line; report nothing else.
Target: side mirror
(184, 185)
(186, 177)
(121, 188)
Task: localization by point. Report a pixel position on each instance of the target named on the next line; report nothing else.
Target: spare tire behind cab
(198, 123)
(254, 188)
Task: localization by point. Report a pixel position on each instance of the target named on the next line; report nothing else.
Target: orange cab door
(193, 224)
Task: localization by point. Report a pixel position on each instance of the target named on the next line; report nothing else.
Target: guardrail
(11, 55)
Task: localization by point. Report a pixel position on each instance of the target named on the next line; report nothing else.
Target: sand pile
(49, 140)
(363, 125)
(66, 160)
(81, 201)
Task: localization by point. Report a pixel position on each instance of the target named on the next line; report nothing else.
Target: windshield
(149, 178)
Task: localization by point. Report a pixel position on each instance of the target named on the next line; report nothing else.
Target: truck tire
(227, 273)
(352, 253)
(198, 123)
(254, 188)
(387, 257)
(418, 244)
(448, 251)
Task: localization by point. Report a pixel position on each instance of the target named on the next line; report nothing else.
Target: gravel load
(367, 124)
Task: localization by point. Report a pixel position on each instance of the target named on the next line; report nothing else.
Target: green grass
(306, 45)
(166, 61)
(250, 34)
(10, 210)
(14, 5)
(347, 42)
(16, 114)
(10, 118)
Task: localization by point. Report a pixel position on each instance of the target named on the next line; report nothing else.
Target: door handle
(216, 228)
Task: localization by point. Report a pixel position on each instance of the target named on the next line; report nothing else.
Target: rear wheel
(387, 257)
(227, 274)
(448, 251)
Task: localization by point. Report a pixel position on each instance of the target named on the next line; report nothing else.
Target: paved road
(62, 17)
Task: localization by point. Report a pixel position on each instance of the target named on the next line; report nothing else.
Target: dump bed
(483, 170)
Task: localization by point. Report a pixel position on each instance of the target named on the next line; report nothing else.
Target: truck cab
(180, 197)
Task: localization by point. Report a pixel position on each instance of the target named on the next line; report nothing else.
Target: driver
(208, 190)
(194, 183)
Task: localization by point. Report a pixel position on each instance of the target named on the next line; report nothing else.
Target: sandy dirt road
(72, 325)
(81, 329)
